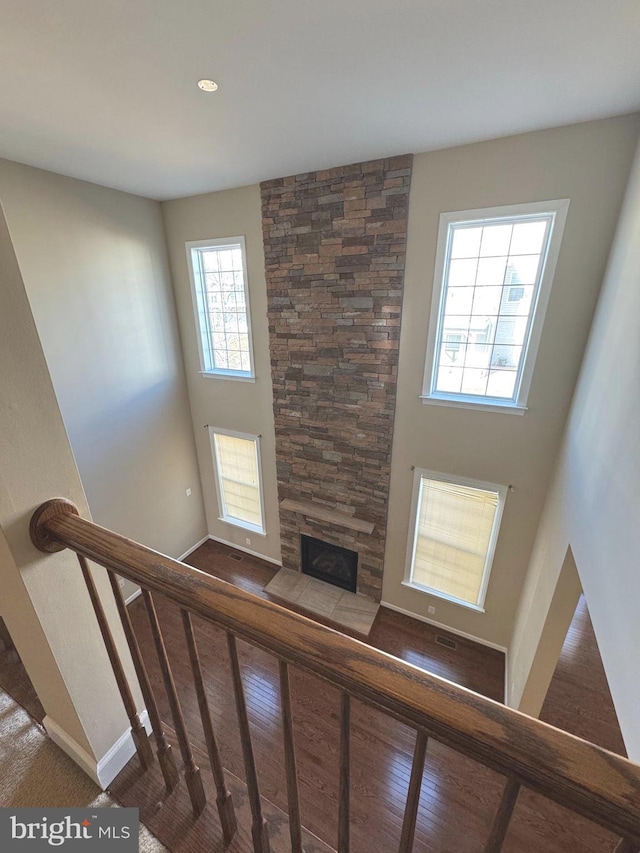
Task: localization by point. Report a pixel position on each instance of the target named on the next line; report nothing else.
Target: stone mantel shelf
(331, 516)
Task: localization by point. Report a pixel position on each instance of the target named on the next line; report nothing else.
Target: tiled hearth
(348, 609)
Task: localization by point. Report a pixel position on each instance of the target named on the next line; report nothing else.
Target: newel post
(38, 532)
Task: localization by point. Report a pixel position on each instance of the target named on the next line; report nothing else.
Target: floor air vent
(445, 641)
(236, 557)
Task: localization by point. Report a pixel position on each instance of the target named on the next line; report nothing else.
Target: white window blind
(221, 305)
(238, 480)
(455, 531)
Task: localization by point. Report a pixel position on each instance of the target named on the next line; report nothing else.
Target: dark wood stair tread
(170, 818)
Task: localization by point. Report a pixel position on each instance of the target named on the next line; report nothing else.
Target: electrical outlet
(247, 541)
(188, 493)
(431, 609)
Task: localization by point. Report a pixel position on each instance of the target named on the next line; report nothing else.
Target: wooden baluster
(165, 754)
(138, 731)
(562, 767)
(223, 795)
(295, 826)
(259, 831)
(191, 769)
(503, 816)
(345, 757)
(626, 846)
(413, 794)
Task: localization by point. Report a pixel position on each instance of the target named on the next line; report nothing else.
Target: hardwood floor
(578, 699)
(474, 666)
(170, 819)
(458, 797)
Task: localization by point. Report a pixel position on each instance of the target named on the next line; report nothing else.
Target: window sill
(425, 590)
(244, 525)
(469, 403)
(237, 377)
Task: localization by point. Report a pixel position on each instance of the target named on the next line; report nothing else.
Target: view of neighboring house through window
(493, 274)
(452, 538)
(221, 306)
(237, 465)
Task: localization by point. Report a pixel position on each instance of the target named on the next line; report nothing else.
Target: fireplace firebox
(329, 563)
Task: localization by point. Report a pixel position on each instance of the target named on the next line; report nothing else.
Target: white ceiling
(105, 90)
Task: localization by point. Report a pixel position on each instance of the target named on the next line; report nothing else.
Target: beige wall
(43, 599)
(547, 558)
(228, 404)
(594, 504)
(564, 600)
(589, 164)
(95, 268)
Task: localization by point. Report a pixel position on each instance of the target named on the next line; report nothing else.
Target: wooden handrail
(575, 773)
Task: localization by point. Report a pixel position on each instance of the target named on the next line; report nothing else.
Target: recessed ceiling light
(207, 85)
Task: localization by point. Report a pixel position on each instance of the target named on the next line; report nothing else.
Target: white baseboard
(193, 548)
(146, 722)
(105, 770)
(133, 596)
(448, 628)
(73, 749)
(138, 592)
(246, 550)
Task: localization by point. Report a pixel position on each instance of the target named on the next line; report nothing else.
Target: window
(237, 464)
(516, 294)
(221, 307)
(452, 538)
(493, 275)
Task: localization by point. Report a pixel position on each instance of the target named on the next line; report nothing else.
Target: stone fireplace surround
(334, 244)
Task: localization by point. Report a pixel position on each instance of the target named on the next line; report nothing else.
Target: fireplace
(329, 563)
(334, 245)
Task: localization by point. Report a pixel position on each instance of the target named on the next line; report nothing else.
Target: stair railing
(589, 780)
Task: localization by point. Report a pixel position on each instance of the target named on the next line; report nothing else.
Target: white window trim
(217, 243)
(559, 209)
(237, 522)
(418, 474)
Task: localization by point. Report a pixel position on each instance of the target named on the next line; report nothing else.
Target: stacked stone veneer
(334, 245)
